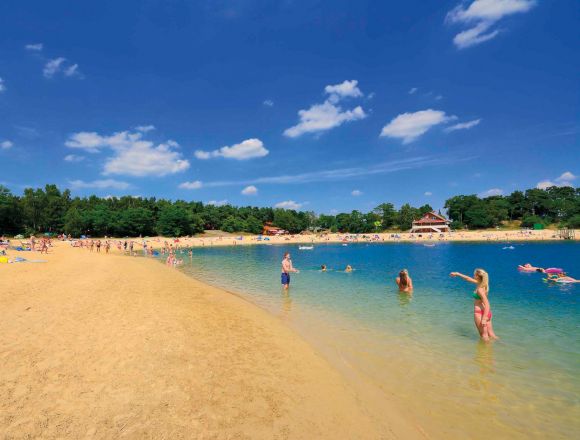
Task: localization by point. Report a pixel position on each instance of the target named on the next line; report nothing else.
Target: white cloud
(409, 126)
(463, 125)
(481, 15)
(250, 190)
(328, 115)
(37, 47)
(132, 155)
(346, 89)
(544, 184)
(217, 202)
(428, 193)
(73, 158)
(2, 85)
(438, 97)
(413, 90)
(321, 117)
(60, 65)
(491, 192)
(565, 179)
(288, 204)
(268, 103)
(195, 184)
(145, 128)
(356, 193)
(99, 184)
(72, 70)
(86, 140)
(5, 145)
(248, 149)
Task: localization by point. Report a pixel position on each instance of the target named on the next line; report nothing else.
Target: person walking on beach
(404, 281)
(481, 308)
(287, 268)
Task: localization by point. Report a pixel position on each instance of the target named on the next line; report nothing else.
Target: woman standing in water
(481, 308)
(404, 281)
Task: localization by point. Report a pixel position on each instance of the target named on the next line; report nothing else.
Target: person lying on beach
(481, 307)
(287, 268)
(404, 281)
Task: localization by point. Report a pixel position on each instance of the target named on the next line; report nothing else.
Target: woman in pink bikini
(481, 308)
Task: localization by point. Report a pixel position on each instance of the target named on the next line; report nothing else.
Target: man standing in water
(287, 268)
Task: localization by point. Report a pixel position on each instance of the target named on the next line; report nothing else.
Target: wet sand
(109, 346)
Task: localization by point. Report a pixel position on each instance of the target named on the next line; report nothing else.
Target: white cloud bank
(250, 190)
(196, 184)
(409, 126)
(288, 204)
(248, 149)
(217, 202)
(463, 125)
(328, 115)
(481, 16)
(132, 155)
(565, 179)
(99, 184)
(491, 192)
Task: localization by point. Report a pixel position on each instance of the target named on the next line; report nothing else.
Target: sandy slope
(106, 346)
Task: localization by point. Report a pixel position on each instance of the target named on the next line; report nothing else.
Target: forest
(52, 210)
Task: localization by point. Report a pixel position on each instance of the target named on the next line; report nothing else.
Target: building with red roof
(431, 222)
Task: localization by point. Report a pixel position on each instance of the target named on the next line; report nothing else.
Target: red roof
(431, 217)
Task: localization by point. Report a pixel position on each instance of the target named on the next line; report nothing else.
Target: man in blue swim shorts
(287, 268)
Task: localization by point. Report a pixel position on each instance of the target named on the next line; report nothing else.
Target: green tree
(406, 216)
(174, 221)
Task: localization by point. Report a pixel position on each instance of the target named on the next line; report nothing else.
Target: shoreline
(212, 239)
(99, 346)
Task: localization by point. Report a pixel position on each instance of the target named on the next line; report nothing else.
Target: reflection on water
(423, 349)
(405, 298)
(286, 303)
(484, 357)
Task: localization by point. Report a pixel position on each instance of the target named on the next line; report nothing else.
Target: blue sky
(321, 105)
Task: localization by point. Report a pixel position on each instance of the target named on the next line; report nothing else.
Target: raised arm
(465, 277)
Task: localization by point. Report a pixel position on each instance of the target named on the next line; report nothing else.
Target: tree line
(50, 210)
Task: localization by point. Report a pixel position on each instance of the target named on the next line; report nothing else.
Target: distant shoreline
(467, 237)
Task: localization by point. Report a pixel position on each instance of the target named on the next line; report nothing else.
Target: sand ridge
(109, 346)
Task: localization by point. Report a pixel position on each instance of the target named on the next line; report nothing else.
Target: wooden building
(431, 222)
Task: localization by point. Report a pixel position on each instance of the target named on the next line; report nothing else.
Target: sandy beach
(218, 238)
(107, 346)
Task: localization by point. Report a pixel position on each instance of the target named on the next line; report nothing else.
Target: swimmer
(348, 268)
(404, 281)
(323, 268)
(481, 308)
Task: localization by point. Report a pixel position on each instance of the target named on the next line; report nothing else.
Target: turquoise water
(422, 350)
